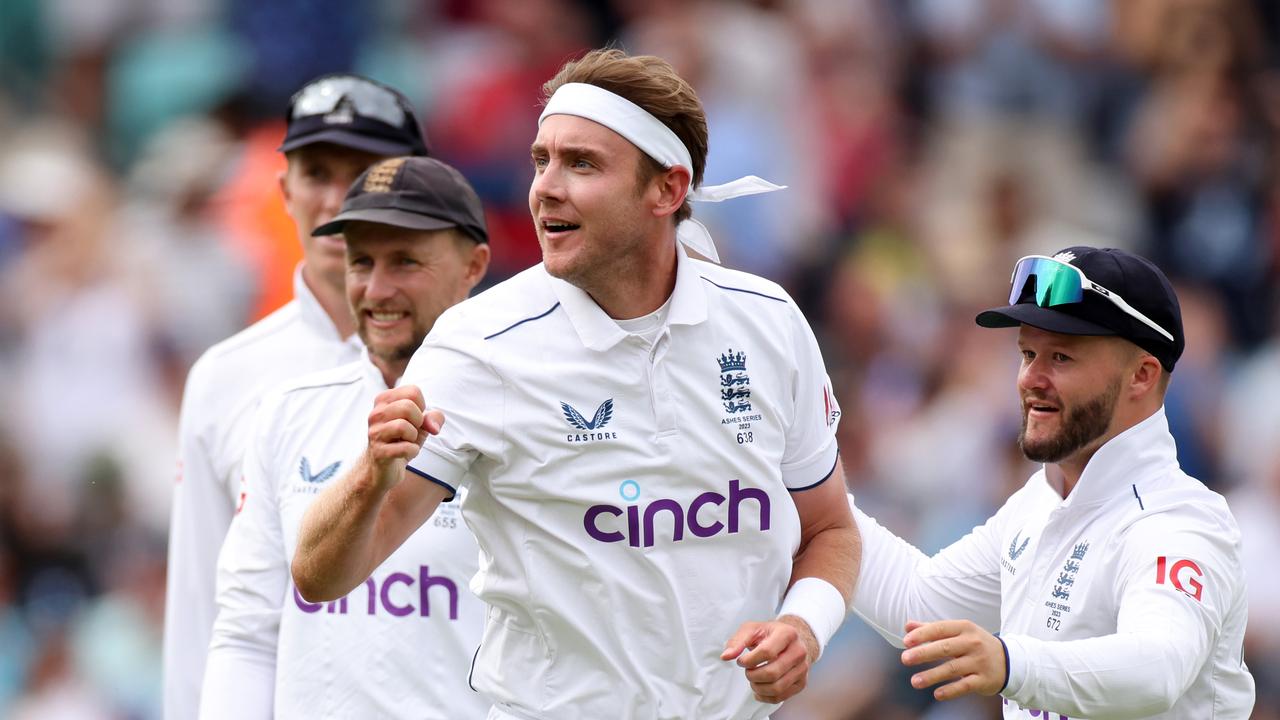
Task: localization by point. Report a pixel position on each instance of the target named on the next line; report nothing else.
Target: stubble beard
(395, 354)
(1080, 426)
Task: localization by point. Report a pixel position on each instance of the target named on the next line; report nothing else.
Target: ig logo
(1182, 575)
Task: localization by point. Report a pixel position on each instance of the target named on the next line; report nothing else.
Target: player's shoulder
(310, 393)
(737, 286)
(523, 298)
(323, 381)
(1178, 502)
(241, 352)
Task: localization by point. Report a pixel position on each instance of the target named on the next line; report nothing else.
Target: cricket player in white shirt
(647, 440)
(1112, 577)
(338, 125)
(401, 644)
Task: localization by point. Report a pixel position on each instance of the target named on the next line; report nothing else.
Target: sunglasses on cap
(1061, 283)
(368, 99)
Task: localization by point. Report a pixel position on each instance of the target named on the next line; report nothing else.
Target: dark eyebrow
(573, 151)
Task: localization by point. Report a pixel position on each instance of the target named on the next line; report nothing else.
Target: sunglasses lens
(372, 101)
(1054, 283)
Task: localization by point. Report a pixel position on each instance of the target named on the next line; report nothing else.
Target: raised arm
(357, 522)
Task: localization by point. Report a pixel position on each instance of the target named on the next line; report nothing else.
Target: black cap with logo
(419, 193)
(1109, 292)
(355, 112)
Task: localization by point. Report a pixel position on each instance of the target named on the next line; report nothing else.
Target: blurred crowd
(927, 144)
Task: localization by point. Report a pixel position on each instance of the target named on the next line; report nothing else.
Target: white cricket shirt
(630, 499)
(400, 645)
(223, 390)
(1124, 600)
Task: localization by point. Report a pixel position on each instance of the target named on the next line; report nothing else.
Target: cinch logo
(638, 530)
(381, 595)
(1178, 574)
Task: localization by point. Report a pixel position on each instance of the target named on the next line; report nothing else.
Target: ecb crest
(735, 385)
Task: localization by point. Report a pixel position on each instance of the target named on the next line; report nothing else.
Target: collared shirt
(400, 645)
(223, 390)
(630, 498)
(1126, 599)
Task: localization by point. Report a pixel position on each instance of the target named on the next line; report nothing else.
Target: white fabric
(1073, 587)
(593, 616)
(819, 604)
(222, 392)
(658, 142)
(398, 646)
(648, 326)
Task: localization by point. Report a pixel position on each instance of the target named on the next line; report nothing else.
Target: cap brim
(346, 138)
(383, 216)
(1038, 317)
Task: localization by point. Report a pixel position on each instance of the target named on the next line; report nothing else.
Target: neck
(635, 289)
(332, 300)
(391, 370)
(1068, 471)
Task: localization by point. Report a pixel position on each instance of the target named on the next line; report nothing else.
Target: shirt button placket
(660, 385)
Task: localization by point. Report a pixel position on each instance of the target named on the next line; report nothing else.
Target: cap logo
(382, 175)
(1065, 257)
(343, 114)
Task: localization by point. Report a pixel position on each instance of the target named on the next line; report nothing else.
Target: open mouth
(558, 227)
(1040, 409)
(384, 318)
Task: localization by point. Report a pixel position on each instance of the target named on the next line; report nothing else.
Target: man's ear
(477, 263)
(284, 186)
(1146, 375)
(673, 187)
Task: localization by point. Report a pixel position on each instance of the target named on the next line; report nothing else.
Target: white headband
(658, 142)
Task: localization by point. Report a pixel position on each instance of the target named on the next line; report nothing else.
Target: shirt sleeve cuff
(812, 472)
(434, 468)
(1018, 667)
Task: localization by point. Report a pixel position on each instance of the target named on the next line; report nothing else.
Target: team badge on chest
(735, 394)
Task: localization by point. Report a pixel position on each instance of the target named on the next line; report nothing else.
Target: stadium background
(927, 144)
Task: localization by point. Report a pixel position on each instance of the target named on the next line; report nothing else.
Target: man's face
(400, 280)
(589, 206)
(1069, 386)
(314, 184)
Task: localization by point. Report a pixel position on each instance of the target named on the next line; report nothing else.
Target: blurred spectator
(1204, 157)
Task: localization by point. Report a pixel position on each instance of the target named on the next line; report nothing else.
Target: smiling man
(1112, 577)
(648, 439)
(337, 125)
(400, 646)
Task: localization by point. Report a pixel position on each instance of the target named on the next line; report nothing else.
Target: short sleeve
(456, 379)
(811, 452)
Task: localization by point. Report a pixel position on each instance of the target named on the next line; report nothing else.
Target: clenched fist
(398, 425)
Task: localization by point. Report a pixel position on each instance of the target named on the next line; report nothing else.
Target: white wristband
(819, 604)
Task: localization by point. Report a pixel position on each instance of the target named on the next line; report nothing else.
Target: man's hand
(398, 425)
(777, 658)
(974, 658)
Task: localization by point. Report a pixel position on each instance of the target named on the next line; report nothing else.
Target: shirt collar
(1131, 455)
(599, 332)
(313, 315)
